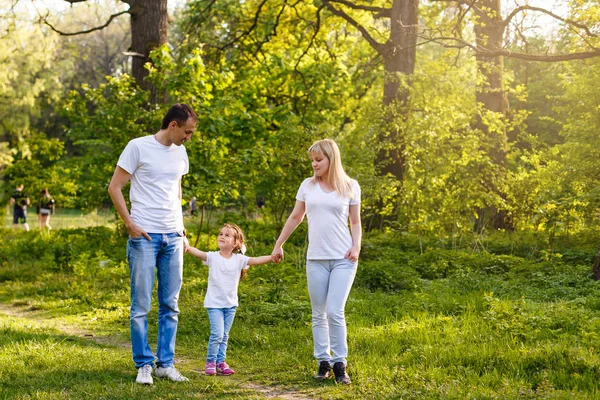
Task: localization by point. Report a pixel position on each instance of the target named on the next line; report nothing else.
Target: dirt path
(267, 392)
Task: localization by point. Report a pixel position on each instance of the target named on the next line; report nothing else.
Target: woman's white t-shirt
(327, 213)
(223, 279)
(156, 171)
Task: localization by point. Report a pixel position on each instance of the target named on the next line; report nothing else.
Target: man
(155, 165)
(20, 200)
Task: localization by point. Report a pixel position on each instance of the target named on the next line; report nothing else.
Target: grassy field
(512, 322)
(64, 218)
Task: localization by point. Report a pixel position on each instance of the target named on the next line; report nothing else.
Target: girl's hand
(352, 254)
(186, 244)
(277, 254)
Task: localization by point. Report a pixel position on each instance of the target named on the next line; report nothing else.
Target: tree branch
(381, 12)
(97, 28)
(380, 48)
(460, 43)
(312, 39)
(550, 13)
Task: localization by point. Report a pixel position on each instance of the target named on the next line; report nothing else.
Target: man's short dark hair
(179, 113)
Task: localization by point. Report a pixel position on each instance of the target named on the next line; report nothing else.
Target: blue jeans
(165, 254)
(329, 284)
(221, 320)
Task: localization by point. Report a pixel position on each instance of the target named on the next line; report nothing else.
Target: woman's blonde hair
(336, 176)
(238, 241)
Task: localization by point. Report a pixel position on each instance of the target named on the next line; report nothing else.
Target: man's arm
(115, 190)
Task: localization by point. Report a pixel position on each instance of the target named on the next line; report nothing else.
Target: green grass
(65, 218)
(440, 325)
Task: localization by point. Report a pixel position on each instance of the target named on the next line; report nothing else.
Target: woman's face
(320, 164)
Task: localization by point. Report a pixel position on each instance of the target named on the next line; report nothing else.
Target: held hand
(136, 231)
(186, 244)
(352, 254)
(277, 254)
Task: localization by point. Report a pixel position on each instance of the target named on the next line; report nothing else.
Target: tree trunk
(489, 34)
(148, 31)
(399, 64)
(596, 266)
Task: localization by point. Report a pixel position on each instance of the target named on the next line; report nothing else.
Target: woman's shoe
(339, 370)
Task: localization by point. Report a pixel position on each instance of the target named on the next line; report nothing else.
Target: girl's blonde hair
(336, 176)
(238, 241)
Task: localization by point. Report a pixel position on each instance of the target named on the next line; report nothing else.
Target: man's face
(183, 133)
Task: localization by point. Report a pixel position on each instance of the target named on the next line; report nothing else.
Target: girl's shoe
(210, 368)
(223, 369)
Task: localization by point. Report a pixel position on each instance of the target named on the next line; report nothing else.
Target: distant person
(225, 269)
(20, 200)
(155, 165)
(45, 208)
(193, 206)
(329, 199)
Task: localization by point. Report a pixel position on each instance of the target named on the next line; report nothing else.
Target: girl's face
(320, 164)
(226, 240)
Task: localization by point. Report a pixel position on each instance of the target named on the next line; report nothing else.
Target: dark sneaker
(339, 370)
(324, 370)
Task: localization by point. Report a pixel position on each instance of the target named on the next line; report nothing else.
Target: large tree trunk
(399, 64)
(489, 34)
(148, 31)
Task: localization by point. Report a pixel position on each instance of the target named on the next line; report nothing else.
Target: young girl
(225, 268)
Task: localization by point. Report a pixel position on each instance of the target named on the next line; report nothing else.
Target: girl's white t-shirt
(327, 213)
(155, 171)
(223, 279)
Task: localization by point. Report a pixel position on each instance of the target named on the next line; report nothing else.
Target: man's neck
(163, 138)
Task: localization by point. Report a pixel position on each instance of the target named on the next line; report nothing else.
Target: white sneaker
(144, 375)
(170, 373)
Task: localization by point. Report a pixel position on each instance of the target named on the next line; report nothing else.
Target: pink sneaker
(210, 368)
(223, 369)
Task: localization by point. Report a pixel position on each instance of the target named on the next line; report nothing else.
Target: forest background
(471, 126)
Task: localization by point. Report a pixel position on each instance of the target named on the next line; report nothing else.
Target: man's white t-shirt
(327, 213)
(156, 171)
(223, 279)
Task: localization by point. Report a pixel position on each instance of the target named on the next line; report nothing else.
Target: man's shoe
(339, 370)
(324, 370)
(223, 369)
(144, 375)
(210, 368)
(170, 373)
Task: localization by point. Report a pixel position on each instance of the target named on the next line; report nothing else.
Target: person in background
(155, 165)
(20, 200)
(329, 199)
(193, 206)
(45, 208)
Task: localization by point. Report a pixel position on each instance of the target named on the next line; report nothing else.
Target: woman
(45, 208)
(328, 199)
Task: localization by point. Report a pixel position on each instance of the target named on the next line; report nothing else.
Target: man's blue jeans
(165, 254)
(221, 320)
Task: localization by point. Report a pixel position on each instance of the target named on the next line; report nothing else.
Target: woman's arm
(260, 260)
(197, 253)
(356, 230)
(290, 226)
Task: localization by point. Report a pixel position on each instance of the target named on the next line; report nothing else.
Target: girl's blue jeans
(329, 284)
(164, 253)
(221, 320)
